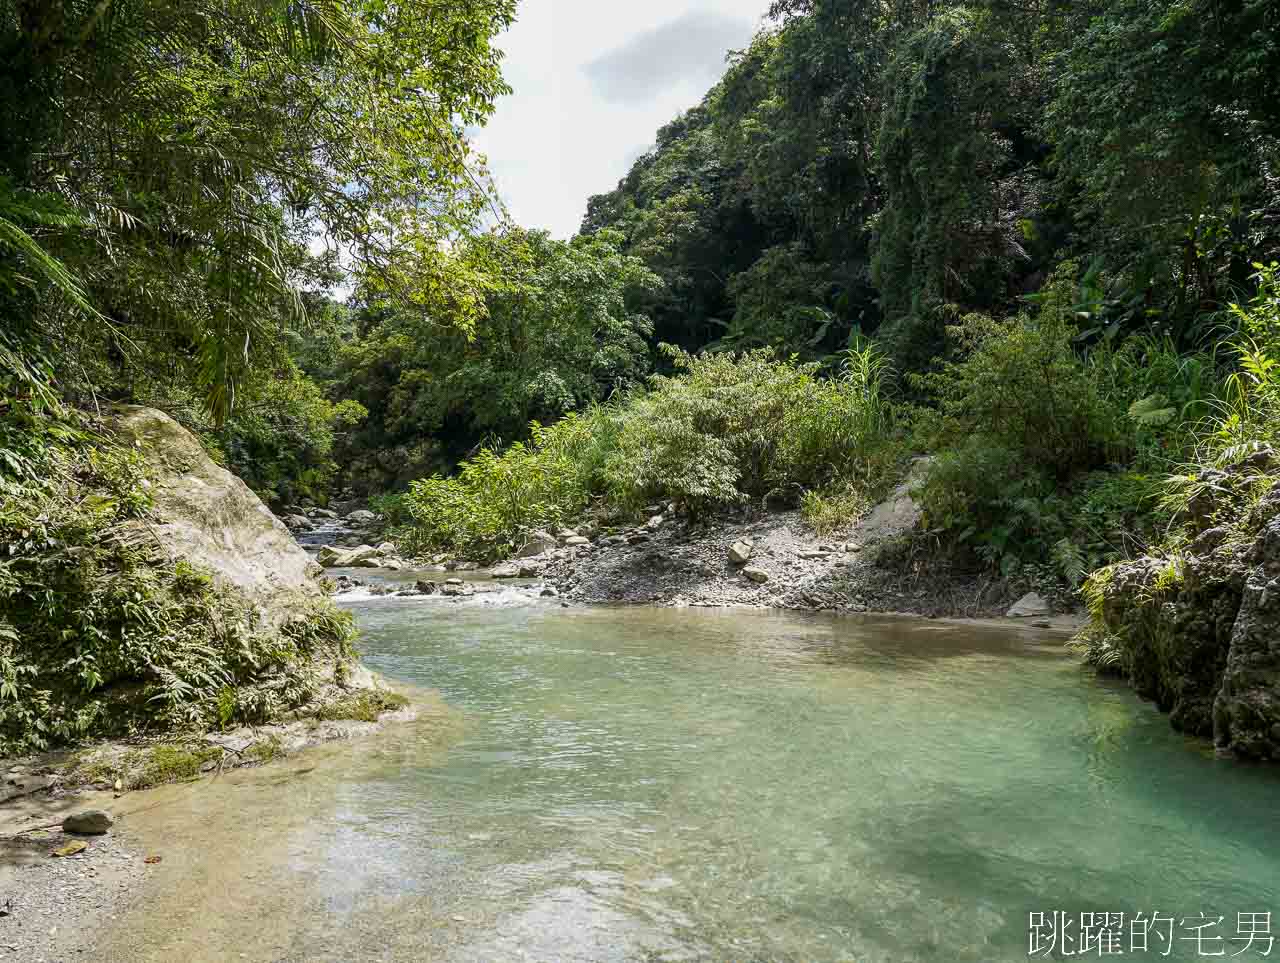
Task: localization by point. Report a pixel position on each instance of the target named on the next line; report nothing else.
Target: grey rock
(298, 523)
(573, 541)
(362, 517)
(207, 516)
(331, 557)
(88, 822)
(757, 575)
(537, 543)
(323, 513)
(508, 570)
(1029, 606)
(740, 552)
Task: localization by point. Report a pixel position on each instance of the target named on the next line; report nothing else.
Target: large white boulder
(205, 515)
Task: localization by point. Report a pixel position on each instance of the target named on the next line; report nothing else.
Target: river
(650, 784)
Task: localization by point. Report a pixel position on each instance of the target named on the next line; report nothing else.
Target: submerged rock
(88, 822)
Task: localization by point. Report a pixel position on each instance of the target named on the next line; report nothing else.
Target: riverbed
(678, 784)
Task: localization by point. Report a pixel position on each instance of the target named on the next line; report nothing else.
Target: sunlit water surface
(652, 784)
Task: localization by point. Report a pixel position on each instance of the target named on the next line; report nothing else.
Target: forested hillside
(883, 167)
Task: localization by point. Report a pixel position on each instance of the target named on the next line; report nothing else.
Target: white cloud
(583, 107)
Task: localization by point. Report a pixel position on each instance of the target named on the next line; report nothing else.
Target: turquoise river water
(655, 784)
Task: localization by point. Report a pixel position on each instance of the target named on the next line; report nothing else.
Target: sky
(594, 80)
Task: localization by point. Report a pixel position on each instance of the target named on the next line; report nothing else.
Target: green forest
(1036, 241)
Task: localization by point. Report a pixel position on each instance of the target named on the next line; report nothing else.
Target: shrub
(1030, 436)
(496, 497)
(728, 428)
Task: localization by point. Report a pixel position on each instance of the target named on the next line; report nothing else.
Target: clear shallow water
(652, 784)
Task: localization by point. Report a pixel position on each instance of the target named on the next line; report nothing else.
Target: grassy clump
(266, 750)
(723, 431)
(363, 706)
(166, 763)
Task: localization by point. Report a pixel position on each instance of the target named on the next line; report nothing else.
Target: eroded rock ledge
(1198, 632)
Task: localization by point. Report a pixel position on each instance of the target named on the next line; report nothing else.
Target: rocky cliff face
(205, 515)
(1199, 632)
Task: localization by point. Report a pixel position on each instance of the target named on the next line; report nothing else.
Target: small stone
(454, 581)
(757, 575)
(548, 593)
(852, 547)
(655, 523)
(90, 822)
(509, 570)
(71, 848)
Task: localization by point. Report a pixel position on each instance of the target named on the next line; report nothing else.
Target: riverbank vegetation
(1037, 243)
(720, 431)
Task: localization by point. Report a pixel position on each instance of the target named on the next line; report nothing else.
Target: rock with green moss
(149, 590)
(1198, 631)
